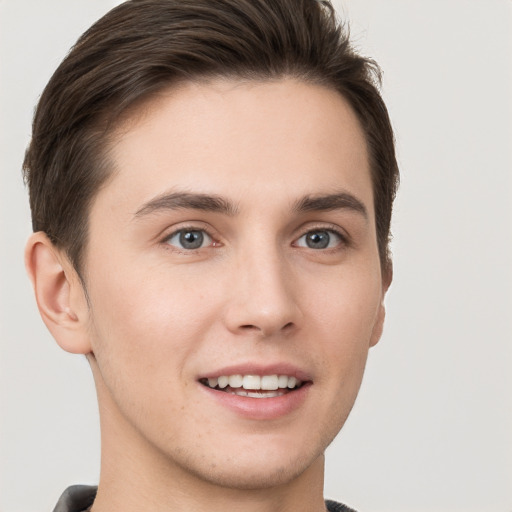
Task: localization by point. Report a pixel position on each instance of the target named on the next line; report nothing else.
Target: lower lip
(260, 408)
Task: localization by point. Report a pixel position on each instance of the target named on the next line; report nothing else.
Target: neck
(143, 478)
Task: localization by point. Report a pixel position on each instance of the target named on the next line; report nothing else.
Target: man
(211, 186)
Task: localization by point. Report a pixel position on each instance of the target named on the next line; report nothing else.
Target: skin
(159, 316)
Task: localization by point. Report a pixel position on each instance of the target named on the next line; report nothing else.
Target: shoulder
(333, 506)
(76, 498)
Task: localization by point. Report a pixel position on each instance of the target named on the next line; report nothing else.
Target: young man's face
(236, 238)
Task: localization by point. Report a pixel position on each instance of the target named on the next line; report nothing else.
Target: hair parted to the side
(142, 47)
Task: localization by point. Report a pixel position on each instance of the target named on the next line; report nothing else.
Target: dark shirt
(79, 498)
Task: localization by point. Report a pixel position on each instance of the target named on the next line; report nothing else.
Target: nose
(263, 296)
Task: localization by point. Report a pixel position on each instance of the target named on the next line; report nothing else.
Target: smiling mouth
(254, 386)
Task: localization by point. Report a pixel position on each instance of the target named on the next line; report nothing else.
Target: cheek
(344, 314)
(141, 319)
(143, 334)
(347, 303)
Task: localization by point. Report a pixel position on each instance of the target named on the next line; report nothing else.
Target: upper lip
(260, 369)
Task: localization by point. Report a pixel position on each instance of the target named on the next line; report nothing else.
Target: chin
(258, 462)
(257, 476)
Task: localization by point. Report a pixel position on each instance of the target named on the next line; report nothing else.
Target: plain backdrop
(432, 427)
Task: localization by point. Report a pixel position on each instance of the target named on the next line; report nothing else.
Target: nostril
(250, 327)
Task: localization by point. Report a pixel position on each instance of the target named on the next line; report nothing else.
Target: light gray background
(432, 428)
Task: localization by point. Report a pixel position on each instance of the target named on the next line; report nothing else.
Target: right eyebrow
(187, 200)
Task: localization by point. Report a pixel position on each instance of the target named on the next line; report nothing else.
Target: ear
(59, 294)
(387, 277)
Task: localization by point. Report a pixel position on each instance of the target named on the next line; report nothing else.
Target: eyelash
(188, 229)
(343, 238)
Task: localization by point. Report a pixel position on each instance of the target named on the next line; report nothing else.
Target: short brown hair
(144, 46)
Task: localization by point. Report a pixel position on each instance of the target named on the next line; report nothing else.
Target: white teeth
(223, 381)
(269, 382)
(265, 395)
(235, 381)
(254, 383)
(282, 381)
(251, 382)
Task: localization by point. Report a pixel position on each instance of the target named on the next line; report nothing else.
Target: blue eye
(319, 239)
(189, 239)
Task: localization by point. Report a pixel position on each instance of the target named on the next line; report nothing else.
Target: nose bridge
(262, 297)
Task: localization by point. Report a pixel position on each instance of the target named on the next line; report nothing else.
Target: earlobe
(378, 326)
(59, 294)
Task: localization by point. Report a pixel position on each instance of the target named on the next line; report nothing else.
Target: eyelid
(322, 226)
(332, 228)
(206, 238)
(345, 239)
(190, 226)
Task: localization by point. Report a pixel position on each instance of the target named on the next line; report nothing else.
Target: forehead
(240, 139)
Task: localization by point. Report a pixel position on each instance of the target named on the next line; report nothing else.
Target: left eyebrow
(330, 202)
